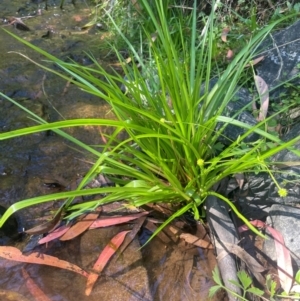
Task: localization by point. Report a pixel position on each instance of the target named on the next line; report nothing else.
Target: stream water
(176, 271)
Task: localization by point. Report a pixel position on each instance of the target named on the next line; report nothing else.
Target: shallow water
(174, 271)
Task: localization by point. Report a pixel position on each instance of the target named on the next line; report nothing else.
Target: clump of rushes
(172, 153)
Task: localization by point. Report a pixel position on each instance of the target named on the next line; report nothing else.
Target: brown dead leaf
(115, 220)
(81, 225)
(196, 241)
(224, 34)
(263, 91)
(130, 237)
(161, 235)
(103, 259)
(15, 254)
(251, 262)
(284, 260)
(46, 227)
(34, 289)
(54, 234)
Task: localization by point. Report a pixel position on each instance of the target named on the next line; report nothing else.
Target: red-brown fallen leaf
(35, 291)
(284, 261)
(196, 241)
(103, 259)
(46, 227)
(110, 221)
(54, 234)
(12, 253)
(224, 34)
(81, 226)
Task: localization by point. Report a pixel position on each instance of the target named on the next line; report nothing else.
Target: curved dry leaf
(103, 259)
(46, 227)
(111, 221)
(284, 261)
(263, 91)
(224, 34)
(34, 289)
(15, 254)
(81, 226)
(130, 237)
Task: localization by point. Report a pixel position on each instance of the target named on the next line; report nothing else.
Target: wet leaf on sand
(46, 227)
(34, 289)
(136, 228)
(196, 241)
(81, 225)
(12, 253)
(103, 259)
(111, 221)
(58, 232)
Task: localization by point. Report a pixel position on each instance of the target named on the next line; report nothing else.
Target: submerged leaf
(224, 34)
(12, 253)
(196, 241)
(46, 227)
(111, 221)
(103, 259)
(35, 291)
(54, 234)
(80, 226)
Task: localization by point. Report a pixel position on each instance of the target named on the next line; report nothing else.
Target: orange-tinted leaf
(196, 241)
(224, 34)
(80, 226)
(111, 221)
(35, 291)
(103, 259)
(54, 234)
(12, 253)
(46, 227)
(263, 91)
(284, 261)
(255, 61)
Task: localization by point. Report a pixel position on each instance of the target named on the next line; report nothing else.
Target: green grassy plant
(172, 153)
(248, 289)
